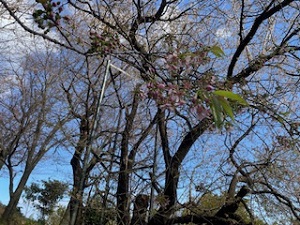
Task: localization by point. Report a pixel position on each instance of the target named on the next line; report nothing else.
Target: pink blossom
(171, 67)
(172, 86)
(201, 112)
(142, 94)
(161, 86)
(150, 85)
(213, 80)
(172, 58)
(167, 106)
(195, 99)
(187, 85)
(152, 70)
(174, 98)
(209, 87)
(181, 102)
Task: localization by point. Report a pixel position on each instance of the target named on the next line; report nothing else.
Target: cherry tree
(31, 119)
(212, 101)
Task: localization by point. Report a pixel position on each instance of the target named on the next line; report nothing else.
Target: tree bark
(73, 214)
(15, 197)
(123, 197)
(140, 209)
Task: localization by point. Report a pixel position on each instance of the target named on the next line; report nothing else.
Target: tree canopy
(153, 105)
(45, 198)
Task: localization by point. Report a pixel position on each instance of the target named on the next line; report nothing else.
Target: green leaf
(232, 96)
(217, 111)
(280, 119)
(217, 51)
(202, 95)
(227, 108)
(285, 113)
(37, 13)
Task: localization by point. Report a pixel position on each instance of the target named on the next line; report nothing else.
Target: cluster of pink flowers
(172, 96)
(103, 43)
(179, 90)
(200, 110)
(177, 62)
(166, 95)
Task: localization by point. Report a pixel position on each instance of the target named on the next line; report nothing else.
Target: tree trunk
(73, 214)
(123, 189)
(66, 218)
(15, 197)
(173, 164)
(140, 210)
(123, 195)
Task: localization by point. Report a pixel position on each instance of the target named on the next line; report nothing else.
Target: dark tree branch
(231, 155)
(173, 164)
(189, 140)
(164, 137)
(144, 135)
(281, 198)
(203, 219)
(231, 205)
(154, 183)
(141, 204)
(123, 179)
(267, 13)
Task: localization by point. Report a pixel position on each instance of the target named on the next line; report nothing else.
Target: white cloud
(15, 45)
(15, 42)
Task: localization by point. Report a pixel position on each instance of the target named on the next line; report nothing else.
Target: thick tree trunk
(172, 166)
(1, 162)
(123, 195)
(15, 197)
(170, 193)
(123, 198)
(76, 200)
(73, 214)
(141, 204)
(66, 218)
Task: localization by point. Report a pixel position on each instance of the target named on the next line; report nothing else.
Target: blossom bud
(209, 88)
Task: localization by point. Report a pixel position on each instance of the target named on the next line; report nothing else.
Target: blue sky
(57, 168)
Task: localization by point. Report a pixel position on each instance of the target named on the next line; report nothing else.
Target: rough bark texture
(140, 210)
(73, 214)
(14, 199)
(123, 196)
